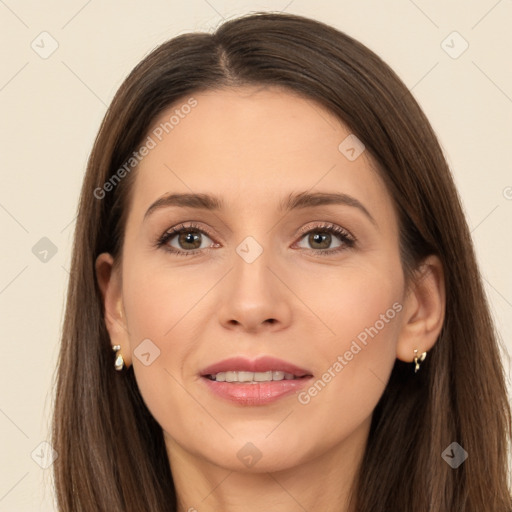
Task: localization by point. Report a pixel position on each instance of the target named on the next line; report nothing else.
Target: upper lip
(262, 364)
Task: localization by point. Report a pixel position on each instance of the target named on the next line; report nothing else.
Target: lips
(257, 382)
(260, 365)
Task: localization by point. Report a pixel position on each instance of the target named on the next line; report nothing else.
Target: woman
(265, 371)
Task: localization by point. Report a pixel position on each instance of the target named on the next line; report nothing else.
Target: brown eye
(188, 239)
(320, 239)
(184, 240)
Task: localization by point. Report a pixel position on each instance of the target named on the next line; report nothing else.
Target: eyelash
(347, 239)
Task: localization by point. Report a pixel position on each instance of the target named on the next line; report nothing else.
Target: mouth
(254, 382)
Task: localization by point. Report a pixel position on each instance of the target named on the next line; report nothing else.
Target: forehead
(250, 144)
(252, 123)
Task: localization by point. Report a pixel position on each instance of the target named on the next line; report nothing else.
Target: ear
(424, 310)
(108, 276)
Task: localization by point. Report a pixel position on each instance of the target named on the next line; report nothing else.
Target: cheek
(363, 312)
(355, 303)
(367, 310)
(161, 305)
(356, 367)
(158, 300)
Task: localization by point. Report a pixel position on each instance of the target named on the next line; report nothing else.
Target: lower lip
(261, 393)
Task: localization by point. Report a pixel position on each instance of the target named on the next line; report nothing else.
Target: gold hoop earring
(119, 363)
(418, 360)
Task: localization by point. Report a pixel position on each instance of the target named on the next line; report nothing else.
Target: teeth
(263, 376)
(252, 376)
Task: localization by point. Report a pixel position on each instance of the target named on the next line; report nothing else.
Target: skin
(253, 146)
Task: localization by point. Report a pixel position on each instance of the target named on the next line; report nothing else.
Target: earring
(119, 363)
(418, 360)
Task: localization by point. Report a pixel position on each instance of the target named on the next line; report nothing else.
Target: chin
(257, 452)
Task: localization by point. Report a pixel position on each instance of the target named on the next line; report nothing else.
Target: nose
(254, 296)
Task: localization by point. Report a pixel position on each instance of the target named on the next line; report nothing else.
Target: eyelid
(326, 225)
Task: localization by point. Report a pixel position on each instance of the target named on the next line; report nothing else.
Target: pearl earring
(119, 363)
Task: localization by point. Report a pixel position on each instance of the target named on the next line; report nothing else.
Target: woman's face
(259, 275)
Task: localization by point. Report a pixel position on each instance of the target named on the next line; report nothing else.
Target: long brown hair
(111, 450)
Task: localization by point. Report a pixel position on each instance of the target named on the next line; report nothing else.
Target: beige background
(51, 109)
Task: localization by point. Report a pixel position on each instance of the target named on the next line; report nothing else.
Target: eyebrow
(294, 201)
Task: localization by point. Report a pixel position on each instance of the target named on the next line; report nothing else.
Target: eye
(188, 237)
(320, 238)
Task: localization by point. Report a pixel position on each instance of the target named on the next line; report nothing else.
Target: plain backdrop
(62, 62)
